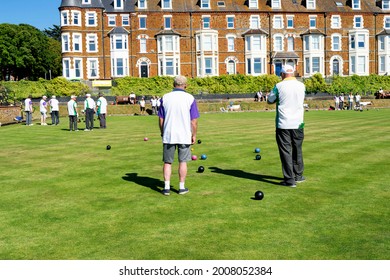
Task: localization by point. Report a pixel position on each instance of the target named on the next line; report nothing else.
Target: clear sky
(38, 13)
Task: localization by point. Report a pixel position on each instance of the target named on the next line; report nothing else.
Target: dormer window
(142, 4)
(386, 5)
(205, 4)
(166, 4)
(86, 1)
(356, 4)
(253, 4)
(118, 4)
(311, 4)
(276, 4)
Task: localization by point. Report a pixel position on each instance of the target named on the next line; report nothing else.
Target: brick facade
(309, 48)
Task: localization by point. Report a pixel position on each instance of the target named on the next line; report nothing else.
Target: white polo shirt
(289, 96)
(72, 105)
(177, 109)
(102, 105)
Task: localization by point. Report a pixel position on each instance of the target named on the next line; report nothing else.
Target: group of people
(340, 101)
(53, 104)
(178, 124)
(90, 109)
(260, 96)
(155, 102)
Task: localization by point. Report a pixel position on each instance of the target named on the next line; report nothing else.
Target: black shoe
(165, 192)
(300, 180)
(283, 183)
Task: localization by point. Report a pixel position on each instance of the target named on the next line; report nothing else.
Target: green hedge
(224, 84)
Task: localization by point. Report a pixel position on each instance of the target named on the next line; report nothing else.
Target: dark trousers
(89, 113)
(290, 152)
(55, 117)
(28, 117)
(72, 122)
(102, 119)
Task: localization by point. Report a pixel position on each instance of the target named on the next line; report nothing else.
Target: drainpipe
(104, 55)
(376, 45)
(191, 46)
(270, 43)
(325, 49)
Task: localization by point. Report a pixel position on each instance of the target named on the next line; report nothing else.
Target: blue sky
(38, 13)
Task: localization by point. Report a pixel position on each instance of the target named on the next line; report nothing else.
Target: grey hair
(180, 81)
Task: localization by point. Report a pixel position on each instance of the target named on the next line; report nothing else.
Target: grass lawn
(64, 196)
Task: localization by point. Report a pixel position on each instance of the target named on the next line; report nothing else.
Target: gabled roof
(118, 30)
(312, 31)
(285, 55)
(384, 32)
(254, 31)
(167, 32)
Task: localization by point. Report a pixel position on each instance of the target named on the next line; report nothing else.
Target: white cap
(44, 97)
(73, 96)
(54, 97)
(88, 95)
(287, 69)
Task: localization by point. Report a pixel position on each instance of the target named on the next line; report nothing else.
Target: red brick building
(105, 39)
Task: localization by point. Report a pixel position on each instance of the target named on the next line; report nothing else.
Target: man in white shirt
(289, 96)
(54, 110)
(43, 110)
(89, 109)
(28, 109)
(102, 110)
(178, 124)
(73, 114)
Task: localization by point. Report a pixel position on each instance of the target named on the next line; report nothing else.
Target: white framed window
(313, 65)
(118, 4)
(336, 22)
(90, 19)
(142, 22)
(64, 18)
(278, 43)
(255, 43)
(381, 43)
(382, 64)
(310, 4)
(386, 22)
(254, 22)
(356, 4)
(276, 4)
(111, 20)
(168, 43)
(66, 68)
(92, 68)
(386, 5)
(119, 42)
(255, 66)
(92, 45)
(312, 43)
(78, 68)
(119, 66)
(207, 53)
(206, 22)
(65, 42)
(86, 2)
(278, 22)
(361, 41)
(169, 66)
(166, 4)
(336, 42)
(290, 21)
(230, 63)
(142, 45)
(205, 4)
(125, 20)
(230, 43)
(77, 42)
(142, 4)
(313, 21)
(253, 4)
(230, 21)
(290, 44)
(358, 22)
(167, 22)
(76, 18)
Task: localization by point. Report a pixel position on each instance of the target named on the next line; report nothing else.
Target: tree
(27, 53)
(53, 32)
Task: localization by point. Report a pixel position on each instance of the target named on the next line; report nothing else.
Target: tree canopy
(27, 53)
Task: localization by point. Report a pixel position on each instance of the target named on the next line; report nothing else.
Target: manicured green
(64, 196)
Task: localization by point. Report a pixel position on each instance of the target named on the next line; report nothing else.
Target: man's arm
(194, 128)
(161, 125)
(273, 96)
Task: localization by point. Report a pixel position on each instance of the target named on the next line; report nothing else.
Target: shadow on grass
(148, 182)
(242, 174)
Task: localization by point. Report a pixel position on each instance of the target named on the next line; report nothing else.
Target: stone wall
(8, 114)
